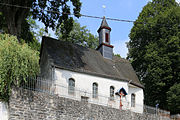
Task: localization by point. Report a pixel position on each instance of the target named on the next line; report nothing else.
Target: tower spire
(104, 40)
(104, 24)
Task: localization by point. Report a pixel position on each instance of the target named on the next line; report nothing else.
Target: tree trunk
(14, 17)
(12, 29)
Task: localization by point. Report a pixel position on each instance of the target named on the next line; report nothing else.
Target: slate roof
(65, 55)
(104, 24)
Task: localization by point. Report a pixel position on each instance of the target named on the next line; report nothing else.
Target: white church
(92, 76)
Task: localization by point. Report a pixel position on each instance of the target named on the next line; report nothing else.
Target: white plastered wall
(83, 85)
(139, 98)
(3, 111)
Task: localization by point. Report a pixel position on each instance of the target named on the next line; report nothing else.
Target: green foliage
(118, 55)
(36, 30)
(154, 49)
(58, 14)
(173, 96)
(17, 61)
(80, 35)
(28, 35)
(32, 33)
(3, 25)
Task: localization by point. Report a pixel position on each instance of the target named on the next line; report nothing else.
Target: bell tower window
(107, 37)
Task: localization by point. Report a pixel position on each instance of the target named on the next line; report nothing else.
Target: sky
(120, 9)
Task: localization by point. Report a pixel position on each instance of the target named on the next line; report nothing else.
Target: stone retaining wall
(32, 105)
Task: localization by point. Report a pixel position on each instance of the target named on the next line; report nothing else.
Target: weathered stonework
(33, 105)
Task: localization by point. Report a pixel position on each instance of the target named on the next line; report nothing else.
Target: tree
(2, 23)
(17, 61)
(80, 35)
(154, 49)
(28, 35)
(174, 98)
(118, 55)
(49, 12)
(32, 33)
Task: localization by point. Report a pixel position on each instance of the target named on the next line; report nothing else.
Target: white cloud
(120, 47)
(178, 1)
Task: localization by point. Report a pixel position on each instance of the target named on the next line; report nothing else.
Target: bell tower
(105, 47)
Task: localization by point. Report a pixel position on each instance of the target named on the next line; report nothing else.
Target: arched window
(71, 86)
(111, 93)
(132, 100)
(95, 90)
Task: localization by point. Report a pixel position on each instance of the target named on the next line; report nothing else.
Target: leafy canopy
(53, 13)
(29, 33)
(154, 49)
(174, 98)
(80, 35)
(17, 61)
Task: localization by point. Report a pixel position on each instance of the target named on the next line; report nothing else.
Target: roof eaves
(138, 85)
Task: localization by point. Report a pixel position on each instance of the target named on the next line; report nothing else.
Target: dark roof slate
(74, 57)
(104, 23)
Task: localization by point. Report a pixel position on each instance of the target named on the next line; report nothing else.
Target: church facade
(93, 76)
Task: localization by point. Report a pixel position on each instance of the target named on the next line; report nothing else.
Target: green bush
(17, 61)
